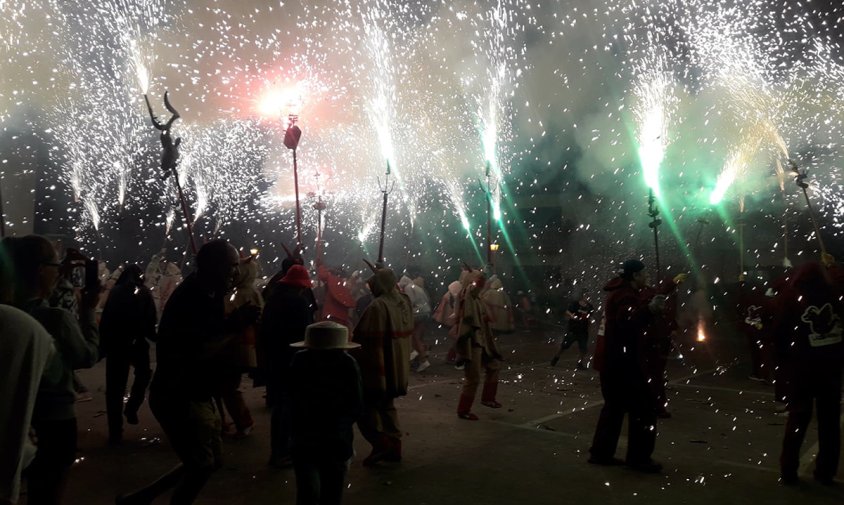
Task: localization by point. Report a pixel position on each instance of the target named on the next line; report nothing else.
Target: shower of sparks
(719, 93)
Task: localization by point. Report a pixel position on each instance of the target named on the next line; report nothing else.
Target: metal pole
(186, 212)
(298, 208)
(654, 224)
(2, 213)
(383, 225)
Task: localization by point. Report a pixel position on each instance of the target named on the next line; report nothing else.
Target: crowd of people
(337, 351)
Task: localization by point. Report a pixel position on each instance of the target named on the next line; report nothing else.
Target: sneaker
(423, 366)
(461, 366)
(413, 355)
(468, 416)
(554, 360)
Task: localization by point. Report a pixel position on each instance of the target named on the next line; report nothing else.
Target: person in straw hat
(326, 400)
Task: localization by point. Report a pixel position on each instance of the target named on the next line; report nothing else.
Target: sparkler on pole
(291, 141)
(319, 206)
(741, 235)
(800, 179)
(653, 212)
(170, 159)
(488, 194)
(2, 213)
(386, 191)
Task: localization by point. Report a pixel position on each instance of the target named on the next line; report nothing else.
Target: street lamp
(493, 248)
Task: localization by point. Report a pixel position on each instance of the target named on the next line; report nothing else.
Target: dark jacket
(287, 313)
(191, 338)
(626, 316)
(326, 400)
(128, 318)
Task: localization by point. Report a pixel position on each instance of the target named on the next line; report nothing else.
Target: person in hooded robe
(498, 305)
(421, 306)
(384, 332)
(242, 356)
(476, 346)
(446, 315)
(338, 299)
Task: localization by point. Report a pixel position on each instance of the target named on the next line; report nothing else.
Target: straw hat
(326, 335)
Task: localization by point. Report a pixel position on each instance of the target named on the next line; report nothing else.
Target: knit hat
(298, 276)
(326, 335)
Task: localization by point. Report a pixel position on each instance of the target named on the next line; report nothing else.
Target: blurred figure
(241, 355)
(326, 400)
(498, 306)
(127, 322)
(579, 314)
(26, 355)
(476, 347)
(446, 315)
(77, 341)
(192, 338)
(525, 308)
(338, 300)
(289, 311)
(162, 277)
(809, 337)
(421, 306)
(619, 357)
(383, 332)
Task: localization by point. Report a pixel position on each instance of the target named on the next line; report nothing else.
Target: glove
(657, 304)
(680, 278)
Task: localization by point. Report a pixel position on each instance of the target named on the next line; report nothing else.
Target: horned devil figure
(169, 147)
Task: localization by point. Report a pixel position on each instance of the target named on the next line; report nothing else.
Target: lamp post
(653, 212)
(493, 248)
(291, 141)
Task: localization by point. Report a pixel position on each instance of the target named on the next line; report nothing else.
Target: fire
(701, 330)
(280, 102)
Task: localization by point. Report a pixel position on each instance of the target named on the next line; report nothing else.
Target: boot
(380, 450)
(464, 408)
(488, 395)
(393, 454)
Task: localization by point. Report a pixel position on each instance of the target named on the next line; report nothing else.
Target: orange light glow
(280, 102)
(701, 330)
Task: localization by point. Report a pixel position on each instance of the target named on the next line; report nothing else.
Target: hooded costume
(624, 385)
(338, 299)
(476, 345)
(384, 332)
(499, 307)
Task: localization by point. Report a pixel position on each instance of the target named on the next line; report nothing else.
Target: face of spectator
(48, 273)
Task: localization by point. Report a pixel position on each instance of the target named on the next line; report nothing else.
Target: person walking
(193, 335)
(383, 332)
(476, 347)
(287, 314)
(128, 321)
(579, 314)
(326, 400)
(620, 361)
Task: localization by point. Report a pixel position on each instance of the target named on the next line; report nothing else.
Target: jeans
(319, 480)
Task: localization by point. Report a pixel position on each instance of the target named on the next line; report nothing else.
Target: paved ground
(722, 443)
